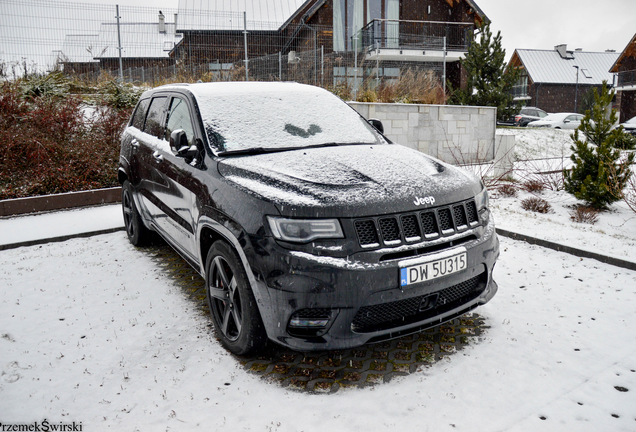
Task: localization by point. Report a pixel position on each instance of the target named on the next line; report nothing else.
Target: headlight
(304, 230)
(481, 199)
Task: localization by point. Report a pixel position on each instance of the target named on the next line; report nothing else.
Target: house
(78, 53)
(329, 41)
(144, 45)
(557, 80)
(625, 67)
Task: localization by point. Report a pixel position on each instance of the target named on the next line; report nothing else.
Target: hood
(349, 181)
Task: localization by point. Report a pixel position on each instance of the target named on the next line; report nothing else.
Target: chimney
(175, 23)
(562, 50)
(162, 23)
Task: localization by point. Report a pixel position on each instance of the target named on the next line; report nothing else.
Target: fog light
(310, 322)
(311, 318)
(303, 322)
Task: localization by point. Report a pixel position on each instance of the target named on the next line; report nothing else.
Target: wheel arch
(121, 176)
(210, 231)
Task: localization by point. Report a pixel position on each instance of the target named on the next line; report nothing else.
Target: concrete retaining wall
(454, 134)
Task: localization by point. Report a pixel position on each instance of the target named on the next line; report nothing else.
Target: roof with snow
(80, 48)
(228, 14)
(558, 66)
(138, 40)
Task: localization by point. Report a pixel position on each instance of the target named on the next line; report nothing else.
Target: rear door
(147, 144)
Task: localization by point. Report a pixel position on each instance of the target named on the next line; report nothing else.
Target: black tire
(137, 232)
(237, 321)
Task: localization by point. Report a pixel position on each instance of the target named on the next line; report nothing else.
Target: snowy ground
(541, 156)
(93, 331)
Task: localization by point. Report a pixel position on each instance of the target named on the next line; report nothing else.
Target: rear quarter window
(155, 117)
(140, 114)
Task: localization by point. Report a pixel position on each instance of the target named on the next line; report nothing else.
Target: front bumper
(352, 302)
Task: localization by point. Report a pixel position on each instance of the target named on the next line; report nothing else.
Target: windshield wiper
(261, 150)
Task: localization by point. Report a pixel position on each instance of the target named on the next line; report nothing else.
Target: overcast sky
(537, 24)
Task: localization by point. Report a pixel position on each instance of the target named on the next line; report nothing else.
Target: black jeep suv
(310, 227)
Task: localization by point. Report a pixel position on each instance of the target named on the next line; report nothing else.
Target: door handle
(158, 157)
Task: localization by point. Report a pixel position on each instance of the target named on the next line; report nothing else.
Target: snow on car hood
(361, 179)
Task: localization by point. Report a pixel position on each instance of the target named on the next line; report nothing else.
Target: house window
(520, 89)
(349, 16)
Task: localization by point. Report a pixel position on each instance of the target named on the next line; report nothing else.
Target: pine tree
(489, 80)
(599, 174)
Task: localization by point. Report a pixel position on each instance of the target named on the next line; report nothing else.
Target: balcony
(626, 80)
(421, 41)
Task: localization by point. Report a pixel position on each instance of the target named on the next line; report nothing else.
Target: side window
(542, 114)
(154, 119)
(179, 118)
(140, 114)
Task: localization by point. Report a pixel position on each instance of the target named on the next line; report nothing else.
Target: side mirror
(377, 124)
(178, 140)
(180, 146)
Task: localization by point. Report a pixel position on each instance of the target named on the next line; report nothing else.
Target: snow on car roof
(244, 115)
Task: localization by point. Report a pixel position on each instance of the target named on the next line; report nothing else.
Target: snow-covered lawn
(538, 143)
(92, 330)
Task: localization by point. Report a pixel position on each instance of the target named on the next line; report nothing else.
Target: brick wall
(554, 98)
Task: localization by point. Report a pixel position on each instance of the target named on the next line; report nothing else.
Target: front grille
(471, 212)
(445, 219)
(429, 224)
(403, 312)
(390, 230)
(460, 216)
(411, 227)
(367, 235)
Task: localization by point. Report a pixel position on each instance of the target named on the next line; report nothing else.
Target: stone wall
(454, 134)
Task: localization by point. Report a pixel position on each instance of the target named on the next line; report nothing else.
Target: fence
(141, 44)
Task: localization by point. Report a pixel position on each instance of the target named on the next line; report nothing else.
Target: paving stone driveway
(329, 371)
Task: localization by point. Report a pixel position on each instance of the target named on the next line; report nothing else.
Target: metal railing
(420, 35)
(626, 78)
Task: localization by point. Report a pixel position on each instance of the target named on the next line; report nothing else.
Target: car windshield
(276, 116)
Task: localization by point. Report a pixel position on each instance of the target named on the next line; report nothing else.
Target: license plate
(433, 269)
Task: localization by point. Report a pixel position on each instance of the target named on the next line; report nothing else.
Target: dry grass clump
(507, 190)
(533, 186)
(536, 205)
(420, 87)
(584, 214)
